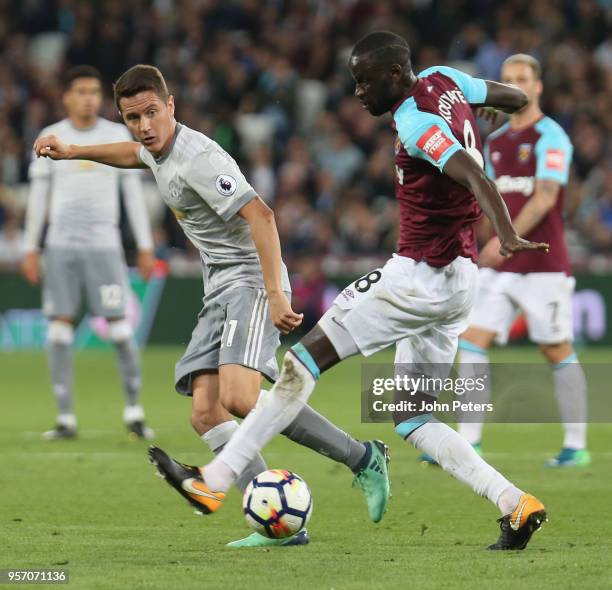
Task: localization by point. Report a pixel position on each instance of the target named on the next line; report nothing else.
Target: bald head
(383, 47)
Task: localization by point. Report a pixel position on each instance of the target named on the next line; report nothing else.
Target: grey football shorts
(234, 328)
(100, 274)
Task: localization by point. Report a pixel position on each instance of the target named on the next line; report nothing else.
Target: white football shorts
(544, 297)
(419, 308)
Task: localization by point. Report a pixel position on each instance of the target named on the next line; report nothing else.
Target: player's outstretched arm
(265, 235)
(462, 168)
(123, 154)
(504, 97)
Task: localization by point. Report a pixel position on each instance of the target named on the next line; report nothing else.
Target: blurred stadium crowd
(268, 80)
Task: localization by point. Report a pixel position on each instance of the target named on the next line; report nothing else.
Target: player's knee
(59, 332)
(120, 330)
(238, 404)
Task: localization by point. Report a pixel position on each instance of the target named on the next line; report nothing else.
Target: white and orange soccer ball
(277, 503)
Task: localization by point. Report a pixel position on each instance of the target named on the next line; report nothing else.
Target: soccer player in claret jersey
(529, 158)
(421, 299)
(246, 300)
(83, 248)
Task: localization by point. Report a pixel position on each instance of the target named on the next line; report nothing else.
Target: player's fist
(30, 268)
(51, 146)
(146, 263)
(283, 317)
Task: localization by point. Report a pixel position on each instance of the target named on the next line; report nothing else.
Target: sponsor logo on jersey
(434, 143)
(226, 185)
(555, 159)
(524, 151)
(446, 102)
(516, 184)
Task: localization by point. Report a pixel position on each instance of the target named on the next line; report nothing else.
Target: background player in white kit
(246, 299)
(529, 158)
(83, 251)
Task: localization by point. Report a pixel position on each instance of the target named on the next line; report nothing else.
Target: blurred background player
(421, 299)
(246, 298)
(83, 251)
(529, 158)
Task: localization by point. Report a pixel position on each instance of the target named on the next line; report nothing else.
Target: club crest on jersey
(226, 185)
(398, 145)
(174, 189)
(524, 152)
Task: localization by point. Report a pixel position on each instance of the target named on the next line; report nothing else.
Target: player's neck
(526, 118)
(83, 124)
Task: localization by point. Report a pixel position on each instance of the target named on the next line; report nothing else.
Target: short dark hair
(138, 79)
(383, 46)
(80, 72)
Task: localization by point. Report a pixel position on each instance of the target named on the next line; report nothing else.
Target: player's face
(523, 76)
(149, 119)
(376, 85)
(84, 98)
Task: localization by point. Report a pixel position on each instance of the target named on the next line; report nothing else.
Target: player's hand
(146, 263)
(283, 317)
(30, 268)
(51, 146)
(516, 244)
(489, 256)
(489, 114)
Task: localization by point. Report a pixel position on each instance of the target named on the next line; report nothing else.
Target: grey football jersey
(84, 195)
(205, 189)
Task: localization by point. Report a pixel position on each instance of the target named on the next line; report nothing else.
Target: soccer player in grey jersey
(83, 248)
(246, 291)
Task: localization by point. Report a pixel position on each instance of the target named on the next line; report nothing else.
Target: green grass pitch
(93, 506)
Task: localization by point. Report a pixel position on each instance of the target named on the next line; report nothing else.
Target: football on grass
(277, 503)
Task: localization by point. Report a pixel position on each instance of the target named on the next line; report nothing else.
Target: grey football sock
(60, 365)
(316, 432)
(129, 367)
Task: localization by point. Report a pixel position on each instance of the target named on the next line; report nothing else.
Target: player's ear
(540, 87)
(171, 105)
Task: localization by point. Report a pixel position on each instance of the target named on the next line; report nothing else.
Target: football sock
(60, 365)
(571, 394)
(456, 456)
(129, 368)
(273, 413)
(316, 432)
(216, 438)
(473, 362)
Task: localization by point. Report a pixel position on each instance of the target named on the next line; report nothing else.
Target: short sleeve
(553, 153)
(474, 89)
(145, 157)
(425, 135)
(489, 169)
(215, 176)
(40, 167)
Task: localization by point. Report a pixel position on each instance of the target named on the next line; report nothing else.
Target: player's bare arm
(265, 235)
(462, 168)
(123, 154)
(530, 216)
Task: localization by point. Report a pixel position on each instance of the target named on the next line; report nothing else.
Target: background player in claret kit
(421, 299)
(246, 300)
(529, 159)
(83, 249)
